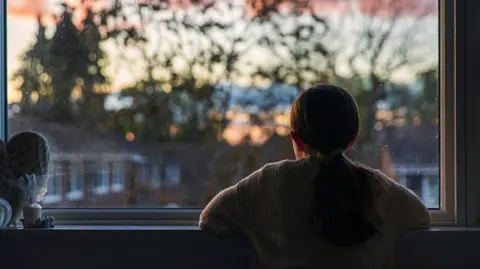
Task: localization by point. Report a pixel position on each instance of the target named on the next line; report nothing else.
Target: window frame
(472, 110)
(452, 98)
(453, 153)
(3, 72)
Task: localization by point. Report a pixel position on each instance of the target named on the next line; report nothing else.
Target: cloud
(27, 8)
(393, 8)
(34, 8)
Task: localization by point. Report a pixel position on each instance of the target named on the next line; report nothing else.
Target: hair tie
(330, 156)
(334, 153)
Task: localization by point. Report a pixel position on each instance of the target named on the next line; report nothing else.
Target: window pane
(54, 186)
(76, 187)
(118, 177)
(168, 103)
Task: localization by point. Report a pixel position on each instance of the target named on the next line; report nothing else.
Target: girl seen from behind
(321, 210)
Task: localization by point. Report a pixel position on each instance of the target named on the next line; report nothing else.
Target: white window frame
(452, 97)
(458, 206)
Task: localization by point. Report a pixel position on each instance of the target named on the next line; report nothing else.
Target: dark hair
(326, 119)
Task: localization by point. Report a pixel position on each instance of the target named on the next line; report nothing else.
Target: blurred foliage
(183, 62)
(192, 65)
(58, 74)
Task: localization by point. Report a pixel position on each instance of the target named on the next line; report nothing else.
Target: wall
(165, 248)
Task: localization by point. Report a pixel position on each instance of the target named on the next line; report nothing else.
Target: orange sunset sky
(22, 26)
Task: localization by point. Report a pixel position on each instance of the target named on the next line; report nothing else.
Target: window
(76, 189)
(156, 177)
(203, 98)
(54, 187)
(118, 177)
(97, 175)
(144, 174)
(172, 174)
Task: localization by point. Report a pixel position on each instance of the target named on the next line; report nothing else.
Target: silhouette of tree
(92, 80)
(34, 85)
(371, 42)
(62, 73)
(426, 104)
(188, 53)
(297, 42)
(384, 37)
(66, 48)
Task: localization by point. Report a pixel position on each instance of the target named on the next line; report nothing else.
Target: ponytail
(341, 199)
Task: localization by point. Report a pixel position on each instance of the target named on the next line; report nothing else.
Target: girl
(321, 210)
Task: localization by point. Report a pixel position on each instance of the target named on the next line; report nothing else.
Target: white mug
(5, 213)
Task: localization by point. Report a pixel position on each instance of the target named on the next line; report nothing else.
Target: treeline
(182, 63)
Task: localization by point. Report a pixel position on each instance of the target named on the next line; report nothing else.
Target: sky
(22, 26)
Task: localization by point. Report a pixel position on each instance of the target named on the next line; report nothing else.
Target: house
(95, 169)
(410, 154)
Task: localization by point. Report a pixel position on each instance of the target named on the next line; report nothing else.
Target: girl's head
(325, 123)
(324, 119)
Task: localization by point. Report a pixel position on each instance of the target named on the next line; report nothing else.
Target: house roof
(71, 139)
(412, 144)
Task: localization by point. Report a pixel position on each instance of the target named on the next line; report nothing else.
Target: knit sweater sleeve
(411, 212)
(223, 214)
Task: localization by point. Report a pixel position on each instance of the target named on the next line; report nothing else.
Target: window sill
(187, 247)
(436, 232)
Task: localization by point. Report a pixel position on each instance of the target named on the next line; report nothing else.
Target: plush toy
(24, 163)
(10, 188)
(29, 154)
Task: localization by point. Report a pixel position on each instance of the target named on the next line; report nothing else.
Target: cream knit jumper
(270, 207)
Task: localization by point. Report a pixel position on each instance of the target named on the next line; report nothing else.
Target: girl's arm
(221, 214)
(413, 213)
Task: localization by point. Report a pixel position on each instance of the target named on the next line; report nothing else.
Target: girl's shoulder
(275, 173)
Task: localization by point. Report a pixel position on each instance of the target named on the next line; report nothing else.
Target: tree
(92, 79)
(363, 49)
(34, 82)
(426, 103)
(296, 40)
(66, 48)
(383, 38)
(65, 92)
(186, 54)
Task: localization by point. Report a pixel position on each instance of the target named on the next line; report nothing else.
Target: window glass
(197, 96)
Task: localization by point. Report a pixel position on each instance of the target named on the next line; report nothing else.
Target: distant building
(95, 169)
(410, 154)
